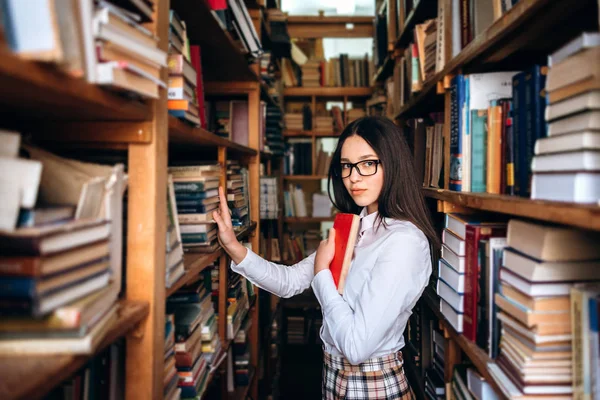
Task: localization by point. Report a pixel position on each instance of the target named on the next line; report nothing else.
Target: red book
(217, 4)
(474, 233)
(346, 229)
(197, 64)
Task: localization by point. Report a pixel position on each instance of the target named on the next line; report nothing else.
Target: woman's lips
(357, 191)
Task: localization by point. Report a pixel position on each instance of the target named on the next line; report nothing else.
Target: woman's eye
(345, 166)
(369, 163)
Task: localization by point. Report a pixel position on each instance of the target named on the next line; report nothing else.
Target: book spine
(17, 287)
(455, 136)
(510, 152)
(471, 274)
(182, 188)
(175, 64)
(465, 23)
(20, 266)
(494, 149)
(478, 153)
(530, 130)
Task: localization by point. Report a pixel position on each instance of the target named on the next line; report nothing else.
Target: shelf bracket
(447, 207)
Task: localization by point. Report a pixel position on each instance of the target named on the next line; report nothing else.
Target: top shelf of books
(204, 29)
(517, 39)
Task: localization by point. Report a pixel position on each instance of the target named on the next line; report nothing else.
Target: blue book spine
(457, 93)
(18, 287)
(190, 196)
(479, 150)
(519, 132)
(531, 130)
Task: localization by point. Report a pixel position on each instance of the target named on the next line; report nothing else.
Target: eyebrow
(361, 157)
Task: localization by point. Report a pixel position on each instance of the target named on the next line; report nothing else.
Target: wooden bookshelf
(477, 356)
(182, 134)
(328, 92)
(310, 134)
(385, 70)
(38, 91)
(304, 177)
(307, 220)
(581, 216)
(515, 40)
(32, 377)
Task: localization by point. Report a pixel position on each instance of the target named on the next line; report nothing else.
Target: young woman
(371, 173)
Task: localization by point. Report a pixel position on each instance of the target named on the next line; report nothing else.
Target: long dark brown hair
(401, 197)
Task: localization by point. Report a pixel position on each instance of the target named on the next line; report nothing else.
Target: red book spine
(217, 4)
(197, 64)
(473, 234)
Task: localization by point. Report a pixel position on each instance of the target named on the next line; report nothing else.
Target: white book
(24, 176)
(577, 187)
(582, 42)
(539, 271)
(586, 140)
(454, 299)
(455, 318)
(573, 105)
(451, 277)
(153, 54)
(534, 289)
(9, 144)
(579, 122)
(454, 260)
(570, 161)
(478, 386)
(454, 243)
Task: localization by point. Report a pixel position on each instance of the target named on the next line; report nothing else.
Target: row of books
(269, 198)
(192, 342)
(186, 87)
(60, 250)
(341, 71)
(300, 117)
(297, 206)
(527, 294)
(105, 43)
(299, 245)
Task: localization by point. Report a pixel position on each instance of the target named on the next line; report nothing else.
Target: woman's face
(364, 190)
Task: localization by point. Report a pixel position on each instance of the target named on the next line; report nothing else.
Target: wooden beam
(146, 227)
(305, 27)
(91, 132)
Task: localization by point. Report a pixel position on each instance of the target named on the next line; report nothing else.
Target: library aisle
(122, 118)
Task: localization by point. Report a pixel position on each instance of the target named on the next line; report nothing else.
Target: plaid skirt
(376, 379)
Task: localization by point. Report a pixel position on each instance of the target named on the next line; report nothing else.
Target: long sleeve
(281, 280)
(395, 283)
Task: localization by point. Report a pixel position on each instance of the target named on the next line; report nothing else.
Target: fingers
(331, 237)
(225, 216)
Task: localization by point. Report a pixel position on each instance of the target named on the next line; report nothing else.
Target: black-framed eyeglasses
(364, 168)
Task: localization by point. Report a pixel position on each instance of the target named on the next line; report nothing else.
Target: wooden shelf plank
(385, 70)
(307, 220)
(328, 91)
(477, 356)
(521, 32)
(196, 262)
(581, 216)
(40, 91)
(182, 134)
(32, 377)
(222, 59)
(310, 134)
(304, 177)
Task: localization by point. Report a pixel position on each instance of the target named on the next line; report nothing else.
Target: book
(346, 229)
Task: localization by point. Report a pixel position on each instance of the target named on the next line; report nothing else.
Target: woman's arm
(280, 280)
(396, 282)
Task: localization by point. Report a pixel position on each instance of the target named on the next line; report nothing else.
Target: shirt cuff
(324, 288)
(248, 260)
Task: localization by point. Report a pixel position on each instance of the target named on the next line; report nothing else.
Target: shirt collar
(367, 220)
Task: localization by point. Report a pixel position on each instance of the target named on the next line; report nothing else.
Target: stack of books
(194, 313)
(183, 79)
(174, 268)
(128, 57)
(273, 138)
(311, 76)
(55, 268)
(324, 124)
(545, 338)
(238, 303)
(170, 383)
(566, 166)
(219, 122)
(269, 204)
(294, 121)
(196, 196)
(237, 194)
